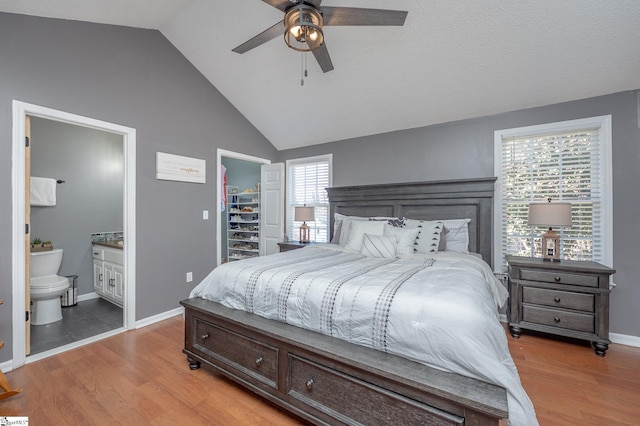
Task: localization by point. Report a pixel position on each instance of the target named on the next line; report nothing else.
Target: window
(568, 161)
(307, 179)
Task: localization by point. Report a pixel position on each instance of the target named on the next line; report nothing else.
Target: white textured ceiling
(451, 60)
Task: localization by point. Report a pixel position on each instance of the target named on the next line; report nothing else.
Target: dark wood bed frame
(325, 380)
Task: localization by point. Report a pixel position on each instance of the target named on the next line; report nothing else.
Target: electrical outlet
(189, 277)
(205, 214)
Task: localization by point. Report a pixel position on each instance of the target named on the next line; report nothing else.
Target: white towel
(43, 191)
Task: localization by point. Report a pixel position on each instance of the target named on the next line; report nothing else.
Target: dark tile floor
(86, 319)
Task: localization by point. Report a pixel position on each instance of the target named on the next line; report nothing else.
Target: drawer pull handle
(557, 300)
(556, 319)
(205, 336)
(112, 282)
(557, 279)
(259, 361)
(309, 384)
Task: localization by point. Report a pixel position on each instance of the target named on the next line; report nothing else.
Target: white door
(272, 206)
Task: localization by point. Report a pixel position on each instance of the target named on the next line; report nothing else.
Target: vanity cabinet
(108, 274)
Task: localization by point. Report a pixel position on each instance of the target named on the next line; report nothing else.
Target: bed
(337, 334)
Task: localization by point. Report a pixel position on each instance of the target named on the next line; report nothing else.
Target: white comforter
(437, 309)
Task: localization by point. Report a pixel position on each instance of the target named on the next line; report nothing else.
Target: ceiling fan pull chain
(302, 70)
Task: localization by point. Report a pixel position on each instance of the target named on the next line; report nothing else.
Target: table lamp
(551, 215)
(304, 214)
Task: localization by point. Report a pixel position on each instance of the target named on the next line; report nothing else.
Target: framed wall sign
(179, 168)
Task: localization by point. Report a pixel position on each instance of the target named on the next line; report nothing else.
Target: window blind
(564, 166)
(307, 179)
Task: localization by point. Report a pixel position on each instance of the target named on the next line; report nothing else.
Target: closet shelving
(243, 223)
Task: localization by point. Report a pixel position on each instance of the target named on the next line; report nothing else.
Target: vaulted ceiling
(451, 60)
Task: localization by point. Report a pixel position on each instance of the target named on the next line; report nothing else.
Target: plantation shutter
(307, 179)
(564, 166)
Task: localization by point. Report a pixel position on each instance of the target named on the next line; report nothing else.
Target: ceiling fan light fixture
(303, 23)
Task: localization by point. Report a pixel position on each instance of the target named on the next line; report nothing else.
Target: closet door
(272, 208)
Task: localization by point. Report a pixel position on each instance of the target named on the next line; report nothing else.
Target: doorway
(20, 111)
(220, 223)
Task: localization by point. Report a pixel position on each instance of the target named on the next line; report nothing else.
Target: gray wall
(91, 198)
(243, 174)
(135, 78)
(464, 149)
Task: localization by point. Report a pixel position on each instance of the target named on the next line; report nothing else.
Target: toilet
(46, 287)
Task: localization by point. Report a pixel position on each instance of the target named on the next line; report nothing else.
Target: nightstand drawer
(560, 299)
(569, 320)
(559, 277)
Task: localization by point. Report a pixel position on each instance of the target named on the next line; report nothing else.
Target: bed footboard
(326, 380)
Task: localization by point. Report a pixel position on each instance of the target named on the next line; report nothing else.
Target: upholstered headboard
(448, 199)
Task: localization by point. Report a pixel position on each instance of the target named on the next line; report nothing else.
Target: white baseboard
(624, 339)
(6, 366)
(88, 296)
(159, 317)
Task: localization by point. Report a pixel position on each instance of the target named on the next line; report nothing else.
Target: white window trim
(303, 160)
(604, 124)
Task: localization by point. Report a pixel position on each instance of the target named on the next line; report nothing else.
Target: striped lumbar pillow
(379, 246)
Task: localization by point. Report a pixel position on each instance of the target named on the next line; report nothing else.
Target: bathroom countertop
(110, 243)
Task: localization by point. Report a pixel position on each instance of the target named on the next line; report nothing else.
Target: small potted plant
(36, 243)
(47, 245)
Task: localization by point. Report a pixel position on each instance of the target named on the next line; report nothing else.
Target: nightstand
(568, 298)
(292, 245)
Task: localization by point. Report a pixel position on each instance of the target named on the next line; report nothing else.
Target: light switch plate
(205, 214)
(189, 277)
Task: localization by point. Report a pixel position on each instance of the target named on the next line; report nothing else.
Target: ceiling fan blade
(279, 4)
(263, 37)
(322, 56)
(356, 16)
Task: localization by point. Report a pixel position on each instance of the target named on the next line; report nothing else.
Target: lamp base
(304, 233)
(551, 246)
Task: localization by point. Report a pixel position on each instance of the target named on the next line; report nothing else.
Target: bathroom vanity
(108, 271)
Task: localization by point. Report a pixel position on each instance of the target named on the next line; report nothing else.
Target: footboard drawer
(243, 353)
(326, 390)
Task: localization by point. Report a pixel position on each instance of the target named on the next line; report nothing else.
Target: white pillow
(379, 246)
(406, 238)
(428, 238)
(341, 228)
(358, 229)
(457, 235)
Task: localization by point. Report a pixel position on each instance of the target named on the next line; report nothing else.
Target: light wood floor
(141, 377)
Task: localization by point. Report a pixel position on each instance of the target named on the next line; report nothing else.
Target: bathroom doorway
(117, 172)
(88, 165)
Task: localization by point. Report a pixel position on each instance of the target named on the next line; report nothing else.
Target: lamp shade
(304, 214)
(550, 214)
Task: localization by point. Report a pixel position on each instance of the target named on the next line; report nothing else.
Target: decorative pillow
(358, 229)
(428, 238)
(341, 228)
(406, 238)
(379, 246)
(457, 236)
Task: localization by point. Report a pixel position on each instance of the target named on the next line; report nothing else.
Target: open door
(272, 208)
(27, 236)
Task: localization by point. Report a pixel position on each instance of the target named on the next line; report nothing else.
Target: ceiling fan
(303, 24)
